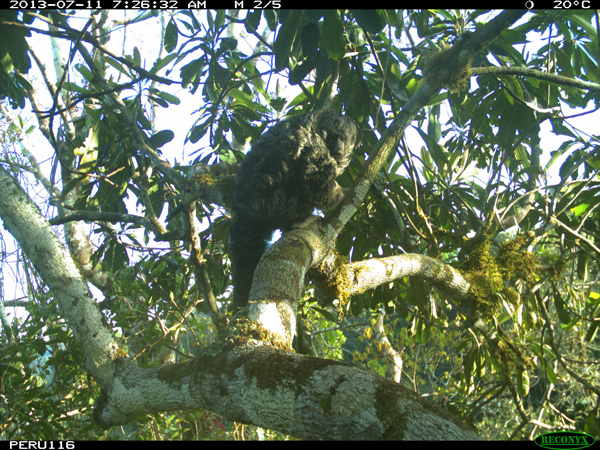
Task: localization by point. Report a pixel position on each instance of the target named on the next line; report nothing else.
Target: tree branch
(53, 262)
(545, 76)
(98, 216)
(365, 275)
(310, 398)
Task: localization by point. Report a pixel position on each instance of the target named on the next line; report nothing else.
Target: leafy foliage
(499, 180)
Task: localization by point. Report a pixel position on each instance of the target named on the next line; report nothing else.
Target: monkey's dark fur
(288, 173)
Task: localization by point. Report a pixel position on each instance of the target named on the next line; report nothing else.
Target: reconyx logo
(564, 439)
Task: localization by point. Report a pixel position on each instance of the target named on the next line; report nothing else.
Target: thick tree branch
(365, 275)
(310, 398)
(53, 262)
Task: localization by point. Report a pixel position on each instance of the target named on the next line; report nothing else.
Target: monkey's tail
(247, 245)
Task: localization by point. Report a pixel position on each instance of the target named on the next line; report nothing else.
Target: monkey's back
(271, 186)
(286, 174)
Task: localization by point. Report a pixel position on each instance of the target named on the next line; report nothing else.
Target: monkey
(288, 173)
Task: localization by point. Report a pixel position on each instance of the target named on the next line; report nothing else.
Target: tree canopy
(453, 294)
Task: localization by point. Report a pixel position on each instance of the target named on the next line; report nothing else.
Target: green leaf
(302, 70)
(159, 139)
(117, 65)
(252, 20)
(522, 381)
(333, 38)
(437, 152)
(311, 36)
(73, 87)
(590, 422)
(326, 314)
(171, 35)
(562, 313)
(85, 72)
(314, 15)
(286, 38)
(434, 128)
(468, 364)
(137, 57)
(368, 19)
(166, 96)
(39, 345)
(13, 46)
(242, 97)
(425, 334)
(582, 265)
(162, 62)
(226, 44)
(592, 330)
(271, 17)
(192, 71)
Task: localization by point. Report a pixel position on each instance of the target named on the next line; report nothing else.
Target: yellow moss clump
(444, 67)
(511, 261)
(242, 330)
(204, 180)
(487, 273)
(334, 280)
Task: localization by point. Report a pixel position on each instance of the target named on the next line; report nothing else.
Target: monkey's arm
(333, 196)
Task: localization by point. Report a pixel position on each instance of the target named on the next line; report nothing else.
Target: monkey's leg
(248, 243)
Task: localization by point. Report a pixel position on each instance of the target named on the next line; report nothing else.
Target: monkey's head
(339, 134)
